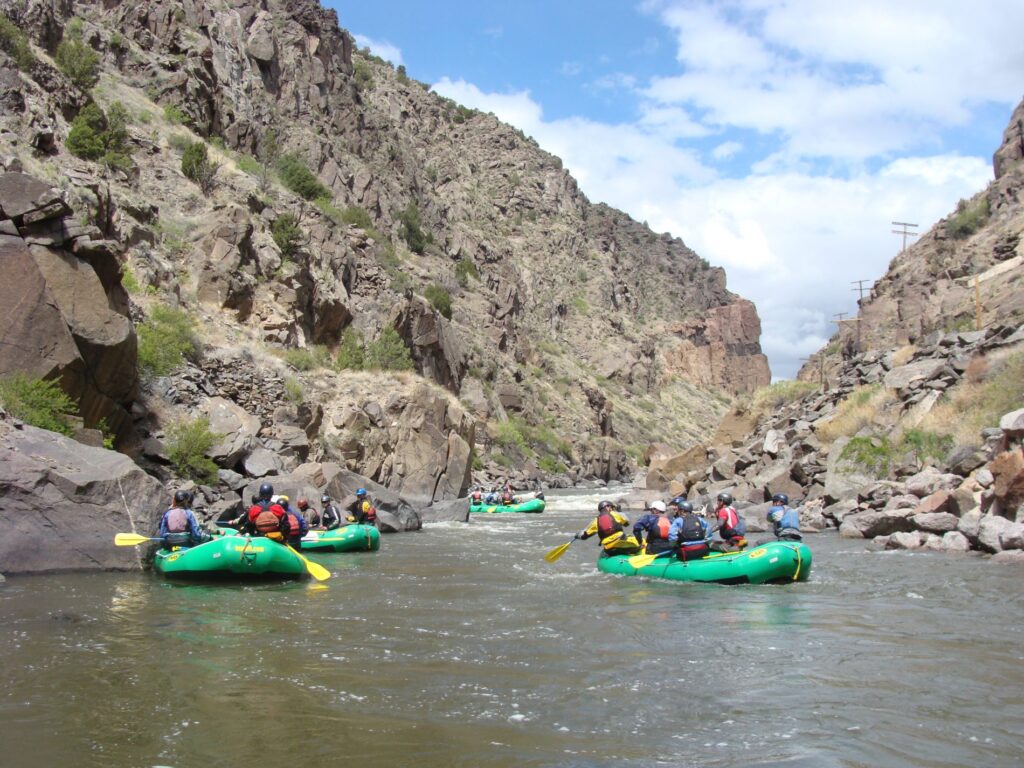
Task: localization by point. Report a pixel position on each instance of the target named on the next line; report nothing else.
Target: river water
(461, 646)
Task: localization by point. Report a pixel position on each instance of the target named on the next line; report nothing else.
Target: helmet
(303, 503)
(181, 497)
(604, 505)
(266, 491)
(283, 501)
(658, 506)
(678, 500)
(685, 506)
(775, 514)
(361, 492)
(780, 498)
(725, 498)
(325, 499)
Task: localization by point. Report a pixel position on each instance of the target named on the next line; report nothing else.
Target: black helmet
(725, 498)
(181, 497)
(678, 500)
(266, 491)
(325, 499)
(601, 507)
(685, 506)
(780, 498)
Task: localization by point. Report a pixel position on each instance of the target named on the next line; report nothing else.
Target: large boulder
(237, 429)
(453, 510)
(663, 470)
(844, 479)
(913, 373)
(394, 514)
(61, 503)
(867, 525)
(434, 347)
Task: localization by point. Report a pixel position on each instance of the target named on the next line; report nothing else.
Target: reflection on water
(461, 646)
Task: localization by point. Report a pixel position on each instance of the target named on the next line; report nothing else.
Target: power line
(904, 230)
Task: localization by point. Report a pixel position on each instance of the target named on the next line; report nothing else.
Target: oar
(639, 561)
(558, 551)
(315, 570)
(132, 539)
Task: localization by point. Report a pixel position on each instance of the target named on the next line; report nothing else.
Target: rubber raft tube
(349, 538)
(532, 505)
(776, 562)
(231, 556)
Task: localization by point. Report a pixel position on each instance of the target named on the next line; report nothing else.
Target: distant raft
(350, 538)
(776, 562)
(532, 505)
(231, 556)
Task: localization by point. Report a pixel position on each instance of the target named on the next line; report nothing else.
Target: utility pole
(977, 304)
(904, 230)
(821, 369)
(859, 287)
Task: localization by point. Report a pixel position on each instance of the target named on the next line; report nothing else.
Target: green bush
(287, 234)
(175, 115)
(410, 228)
(357, 217)
(970, 216)
(388, 353)
(293, 390)
(130, 282)
(925, 444)
(307, 359)
(362, 75)
(297, 177)
(873, 453)
(38, 402)
(439, 299)
(15, 44)
(98, 136)
(198, 167)
(464, 270)
(550, 465)
(166, 339)
(509, 434)
(76, 59)
(188, 441)
(249, 164)
(350, 351)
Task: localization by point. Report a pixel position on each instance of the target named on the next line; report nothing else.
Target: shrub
(307, 359)
(970, 216)
(287, 234)
(362, 75)
(860, 409)
(198, 167)
(439, 299)
(76, 59)
(509, 434)
(350, 351)
(388, 353)
(98, 136)
(166, 339)
(15, 44)
(38, 402)
(293, 390)
(249, 164)
(130, 282)
(926, 444)
(410, 228)
(550, 465)
(297, 177)
(464, 270)
(188, 441)
(873, 453)
(175, 115)
(780, 393)
(357, 217)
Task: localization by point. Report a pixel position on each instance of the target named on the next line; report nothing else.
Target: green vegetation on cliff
(38, 402)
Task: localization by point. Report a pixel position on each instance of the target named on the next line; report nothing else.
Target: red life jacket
(177, 520)
(370, 512)
(265, 517)
(660, 531)
(294, 526)
(607, 525)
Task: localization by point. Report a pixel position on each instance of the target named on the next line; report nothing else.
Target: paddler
(178, 526)
(657, 525)
(784, 519)
(609, 525)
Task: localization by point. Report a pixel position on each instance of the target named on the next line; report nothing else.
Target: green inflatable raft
(349, 538)
(531, 505)
(777, 562)
(230, 556)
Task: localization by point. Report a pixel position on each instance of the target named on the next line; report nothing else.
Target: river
(461, 646)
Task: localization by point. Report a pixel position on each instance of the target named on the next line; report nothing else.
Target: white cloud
(570, 68)
(726, 149)
(384, 49)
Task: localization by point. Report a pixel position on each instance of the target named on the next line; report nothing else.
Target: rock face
(63, 312)
(62, 502)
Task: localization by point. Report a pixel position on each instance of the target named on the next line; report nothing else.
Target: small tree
(85, 139)
(439, 299)
(15, 43)
(268, 155)
(76, 59)
(165, 340)
(388, 353)
(187, 444)
(295, 175)
(411, 228)
(287, 234)
(38, 402)
(350, 351)
(197, 166)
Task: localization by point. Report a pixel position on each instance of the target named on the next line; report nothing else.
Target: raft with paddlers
(530, 505)
(776, 562)
(349, 538)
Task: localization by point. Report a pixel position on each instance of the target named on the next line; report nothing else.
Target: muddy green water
(460, 646)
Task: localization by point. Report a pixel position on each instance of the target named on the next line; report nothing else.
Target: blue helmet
(678, 500)
(780, 498)
(685, 506)
(361, 492)
(266, 491)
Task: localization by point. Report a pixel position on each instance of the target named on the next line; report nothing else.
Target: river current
(461, 646)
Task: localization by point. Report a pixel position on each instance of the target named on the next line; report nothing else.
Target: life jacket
(295, 525)
(732, 524)
(477, 496)
(267, 521)
(369, 513)
(607, 525)
(177, 520)
(692, 529)
(660, 529)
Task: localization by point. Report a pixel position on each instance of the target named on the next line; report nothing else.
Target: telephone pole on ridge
(905, 231)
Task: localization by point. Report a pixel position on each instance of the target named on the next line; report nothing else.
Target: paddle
(132, 539)
(558, 551)
(639, 561)
(315, 570)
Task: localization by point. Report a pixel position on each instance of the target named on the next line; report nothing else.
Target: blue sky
(778, 138)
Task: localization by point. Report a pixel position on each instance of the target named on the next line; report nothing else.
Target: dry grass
(778, 394)
(864, 407)
(903, 355)
(993, 386)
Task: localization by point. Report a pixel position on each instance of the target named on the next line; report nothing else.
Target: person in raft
(784, 519)
(355, 509)
(657, 525)
(610, 526)
(690, 534)
(331, 515)
(293, 524)
(309, 514)
(731, 527)
(367, 514)
(264, 516)
(178, 526)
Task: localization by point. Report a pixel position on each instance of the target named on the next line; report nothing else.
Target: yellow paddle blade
(315, 570)
(130, 539)
(558, 551)
(641, 560)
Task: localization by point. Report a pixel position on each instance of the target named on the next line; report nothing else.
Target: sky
(778, 138)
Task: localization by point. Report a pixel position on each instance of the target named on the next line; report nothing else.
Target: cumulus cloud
(384, 49)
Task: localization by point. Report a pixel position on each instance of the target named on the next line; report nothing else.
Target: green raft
(777, 562)
(532, 505)
(230, 556)
(349, 538)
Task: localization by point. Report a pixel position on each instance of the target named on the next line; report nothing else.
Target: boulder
(838, 511)
(1008, 473)
(984, 477)
(237, 427)
(935, 522)
(904, 376)
(954, 541)
(662, 471)
(774, 442)
(434, 347)
(453, 510)
(867, 525)
(844, 479)
(62, 502)
(964, 460)
(262, 463)
(1012, 423)
(991, 530)
(905, 540)
(1009, 556)
(394, 514)
(929, 480)
(1012, 537)
(936, 502)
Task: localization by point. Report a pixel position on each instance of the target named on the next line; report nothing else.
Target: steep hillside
(570, 334)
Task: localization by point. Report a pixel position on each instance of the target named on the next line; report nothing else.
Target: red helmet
(303, 504)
